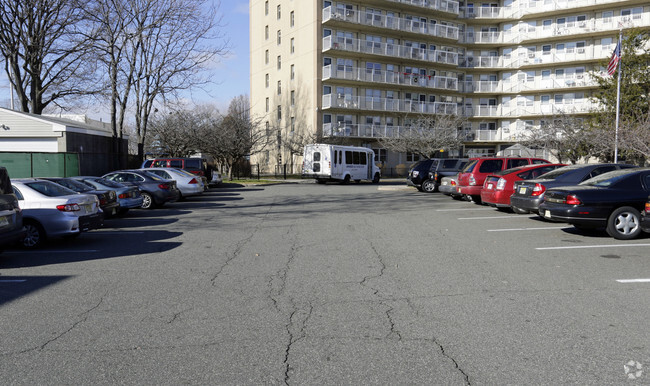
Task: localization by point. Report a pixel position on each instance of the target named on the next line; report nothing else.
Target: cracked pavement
(315, 284)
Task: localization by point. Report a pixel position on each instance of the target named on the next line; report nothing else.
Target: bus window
(362, 158)
(356, 157)
(348, 157)
(316, 156)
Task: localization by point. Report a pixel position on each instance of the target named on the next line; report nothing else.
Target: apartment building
(355, 71)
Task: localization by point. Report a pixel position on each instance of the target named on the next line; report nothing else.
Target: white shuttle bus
(339, 163)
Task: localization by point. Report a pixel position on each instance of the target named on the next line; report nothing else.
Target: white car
(51, 210)
(189, 184)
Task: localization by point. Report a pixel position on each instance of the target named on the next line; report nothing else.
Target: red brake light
(102, 201)
(647, 208)
(68, 207)
(123, 195)
(453, 183)
(571, 199)
(163, 186)
(538, 190)
(193, 181)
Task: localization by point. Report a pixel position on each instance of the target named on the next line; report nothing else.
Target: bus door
(337, 163)
(370, 157)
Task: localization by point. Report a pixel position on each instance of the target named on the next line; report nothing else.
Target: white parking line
(459, 209)
(483, 218)
(634, 281)
(524, 229)
(58, 251)
(594, 246)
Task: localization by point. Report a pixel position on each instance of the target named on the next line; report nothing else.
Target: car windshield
(469, 167)
(50, 189)
(608, 179)
(74, 185)
(108, 183)
(559, 172)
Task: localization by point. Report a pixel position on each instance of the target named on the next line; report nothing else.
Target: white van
(339, 163)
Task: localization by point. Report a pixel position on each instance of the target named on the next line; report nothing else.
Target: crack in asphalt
(298, 336)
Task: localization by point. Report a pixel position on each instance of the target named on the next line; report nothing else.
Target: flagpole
(618, 96)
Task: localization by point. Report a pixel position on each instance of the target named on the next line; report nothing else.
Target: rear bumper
(470, 190)
(525, 203)
(90, 222)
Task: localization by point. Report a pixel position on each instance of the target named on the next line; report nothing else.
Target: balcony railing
(514, 86)
(438, 5)
(390, 22)
(577, 106)
(489, 12)
(537, 6)
(389, 77)
(387, 104)
(392, 50)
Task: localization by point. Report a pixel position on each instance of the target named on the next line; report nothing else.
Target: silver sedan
(189, 184)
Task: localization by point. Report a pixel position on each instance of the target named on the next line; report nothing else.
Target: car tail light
(163, 186)
(102, 201)
(538, 190)
(571, 199)
(453, 183)
(647, 208)
(68, 208)
(124, 195)
(472, 180)
(501, 184)
(193, 181)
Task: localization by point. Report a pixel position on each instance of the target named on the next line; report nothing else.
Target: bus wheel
(319, 181)
(375, 179)
(357, 181)
(346, 180)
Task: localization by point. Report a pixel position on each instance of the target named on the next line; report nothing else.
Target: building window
(266, 7)
(293, 124)
(279, 37)
(293, 97)
(279, 62)
(268, 129)
(266, 57)
(267, 80)
(293, 71)
(279, 87)
(279, 13)
(266, 33)
(411, 157)
(279, 113)
(293, 46)
(380, 155)
(292, 20)
(267, 104)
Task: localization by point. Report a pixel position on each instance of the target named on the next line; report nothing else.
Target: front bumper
(130, 203)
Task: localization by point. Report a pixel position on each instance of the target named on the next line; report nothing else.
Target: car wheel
(375, 179)
(624, 223)
(429, 186)
(34, 236)
(519, 211)
(477, 199)
(147, 201)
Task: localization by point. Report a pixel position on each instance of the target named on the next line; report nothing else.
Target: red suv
(471, 178)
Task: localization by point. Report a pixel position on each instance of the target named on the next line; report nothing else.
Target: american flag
(613, 62)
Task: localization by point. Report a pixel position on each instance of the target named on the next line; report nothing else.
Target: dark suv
(426, 174)
(11, 216)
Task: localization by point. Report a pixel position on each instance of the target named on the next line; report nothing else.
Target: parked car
(188, 184)
(612, 200)
(448, 186)
(472, 177)
(107, 198)
(194, 165)
(11, 216)
(529, 194)
(51, 210)
(498, 187)
(427, 174)
(645, 217)
(128, 197)
(155, 191)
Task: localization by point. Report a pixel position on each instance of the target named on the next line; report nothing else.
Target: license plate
(522, 190)
(547, 213)
(4, 221)
(89, 208)
(490, 186)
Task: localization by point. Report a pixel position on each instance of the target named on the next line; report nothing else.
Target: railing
(392, 50)
(389, 77)
(387, 104)
(515, 109)
(537, 6)
(489, 12)
(514, 86)
(390, 22)
(438, 5)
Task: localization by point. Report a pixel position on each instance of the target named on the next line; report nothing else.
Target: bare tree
(46, 51)
(178, 39)
(564, 136)
(176, 133)
(635, 139)
(426, 135)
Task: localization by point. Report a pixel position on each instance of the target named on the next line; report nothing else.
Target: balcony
(544, 6)
(438, 5)
(513, 109)
(390, 22)
(330, 101)
(393, 50)
(489, 13)
(501, 134)
(389, 77)
(342, 129)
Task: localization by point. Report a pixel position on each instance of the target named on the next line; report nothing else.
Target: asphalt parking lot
(327, 284)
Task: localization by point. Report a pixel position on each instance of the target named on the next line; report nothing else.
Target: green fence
(21, 165)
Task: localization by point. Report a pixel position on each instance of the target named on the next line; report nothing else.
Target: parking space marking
(594, 246)
(634, 281)
(459, 209)
(524, 229)
(483, 218)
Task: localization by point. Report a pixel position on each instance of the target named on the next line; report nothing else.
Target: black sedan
(612, 200)
(529, 194)
(107, 198)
